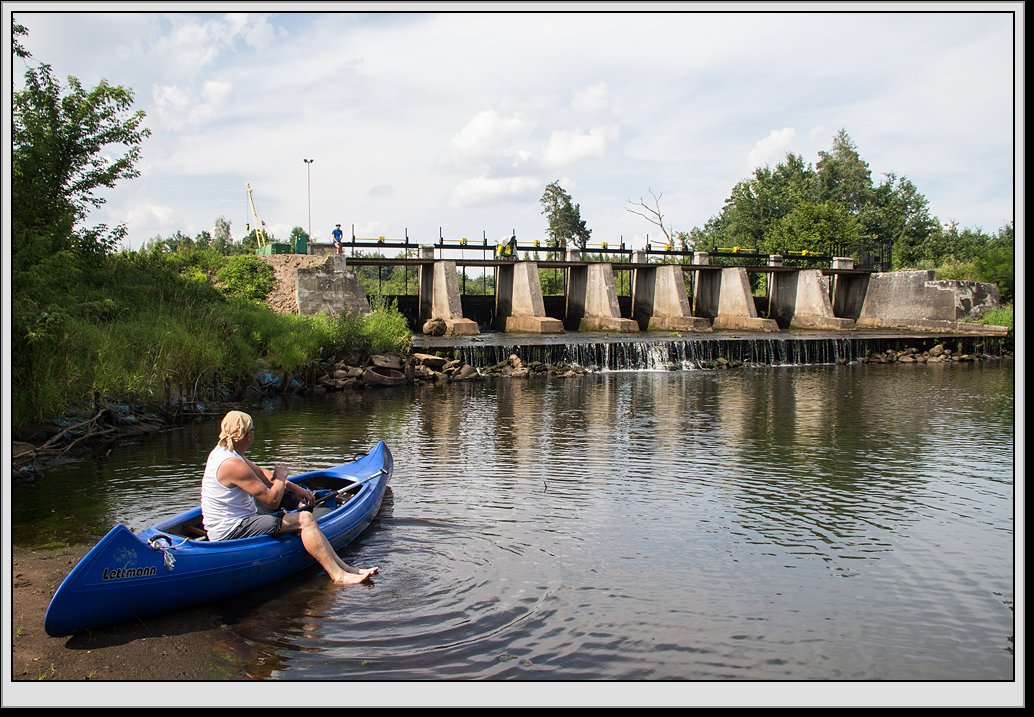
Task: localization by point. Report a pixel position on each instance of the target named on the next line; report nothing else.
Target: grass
(1002, 316)
(164, 325)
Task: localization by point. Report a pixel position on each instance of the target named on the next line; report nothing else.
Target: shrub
(1002, 316)
(246, 277)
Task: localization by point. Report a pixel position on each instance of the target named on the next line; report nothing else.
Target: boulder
(389, 361)
(433, 362)
(435, 327)
(375, 376)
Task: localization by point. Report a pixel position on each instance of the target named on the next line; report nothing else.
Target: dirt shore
(184, 646)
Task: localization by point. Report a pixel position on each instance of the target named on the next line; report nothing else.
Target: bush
(246, 277)
(1002, 316)
(140, 319)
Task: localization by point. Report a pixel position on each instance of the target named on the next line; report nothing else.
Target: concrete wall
(332, 288)
(914, 299)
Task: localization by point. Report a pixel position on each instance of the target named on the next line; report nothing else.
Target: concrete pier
(439, 296)
(839, 298)
(518, 301)
(592, 300)
(800, 300)
(660, 301)
(725, 296)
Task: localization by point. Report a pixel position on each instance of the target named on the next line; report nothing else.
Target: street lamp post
(308, 191)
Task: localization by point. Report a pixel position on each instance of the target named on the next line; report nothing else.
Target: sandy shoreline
(183, 646)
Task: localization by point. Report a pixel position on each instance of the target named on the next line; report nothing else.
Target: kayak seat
(194, 532)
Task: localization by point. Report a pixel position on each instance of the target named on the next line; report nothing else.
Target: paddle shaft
(340, 492)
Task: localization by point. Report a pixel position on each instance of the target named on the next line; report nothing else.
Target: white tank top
(222, 508)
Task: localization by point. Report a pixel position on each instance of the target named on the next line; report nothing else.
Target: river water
(766, 523)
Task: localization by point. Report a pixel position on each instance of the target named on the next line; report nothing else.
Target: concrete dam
(683, 298)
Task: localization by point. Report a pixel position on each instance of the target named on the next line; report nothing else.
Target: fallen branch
(46, 446)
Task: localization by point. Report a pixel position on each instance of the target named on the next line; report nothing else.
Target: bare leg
(317, 545)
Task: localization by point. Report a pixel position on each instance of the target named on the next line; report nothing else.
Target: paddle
(339, 493)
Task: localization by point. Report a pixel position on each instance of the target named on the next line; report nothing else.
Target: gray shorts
(257, 525)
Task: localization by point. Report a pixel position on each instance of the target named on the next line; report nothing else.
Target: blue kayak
(173, 565)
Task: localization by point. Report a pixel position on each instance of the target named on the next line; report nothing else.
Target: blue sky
(455, 121)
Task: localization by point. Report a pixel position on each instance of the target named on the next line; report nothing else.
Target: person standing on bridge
(338, 238)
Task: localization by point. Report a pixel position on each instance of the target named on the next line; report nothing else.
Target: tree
(996, 263)
(899, 214)
(652, 215)
(66, 145)
(766, 208)
(565, 218)
(842, 176)
(814, 228)
(298, 234)
(222, 238)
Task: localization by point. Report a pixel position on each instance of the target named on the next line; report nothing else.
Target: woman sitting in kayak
(232, 485)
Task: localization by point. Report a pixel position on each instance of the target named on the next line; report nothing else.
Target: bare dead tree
(652, 214)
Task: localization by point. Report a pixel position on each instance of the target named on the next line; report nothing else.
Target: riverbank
(182, 646)
(87, 430)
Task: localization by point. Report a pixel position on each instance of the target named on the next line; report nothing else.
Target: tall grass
(1002, 316)
(154, 325)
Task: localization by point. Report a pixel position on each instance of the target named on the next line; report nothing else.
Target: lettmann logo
(123, 573)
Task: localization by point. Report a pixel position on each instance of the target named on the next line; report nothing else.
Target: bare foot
(355, 578)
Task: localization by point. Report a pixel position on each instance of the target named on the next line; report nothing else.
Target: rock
(937, 350)
(432, 362)
(434, 327)
(462, 372)
(389, 361)
(376, 376)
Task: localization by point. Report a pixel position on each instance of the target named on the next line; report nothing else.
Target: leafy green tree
(842, 176)
(565, 219)
(222, 237)
(996, 262)
(296, 234)
(250, 241)
(899, 214)
(67, 144)
(812, 227)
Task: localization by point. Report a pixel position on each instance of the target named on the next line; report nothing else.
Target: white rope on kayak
(167, 557)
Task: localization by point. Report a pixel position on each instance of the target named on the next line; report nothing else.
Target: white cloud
(592, 100)
(772, 149)
(177, 107)
(566, 147)
(479, 191)
(439, 108)
(489, 137)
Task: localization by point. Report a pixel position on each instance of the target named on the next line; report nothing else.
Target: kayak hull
(131, 575)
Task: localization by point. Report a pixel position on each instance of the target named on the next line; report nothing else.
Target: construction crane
(260, 231)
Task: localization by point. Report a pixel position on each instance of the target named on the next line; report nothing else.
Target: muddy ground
(183, 646)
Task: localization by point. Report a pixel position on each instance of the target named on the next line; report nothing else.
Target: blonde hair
(235, 427)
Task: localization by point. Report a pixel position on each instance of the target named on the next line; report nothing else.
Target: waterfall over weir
(666, 352)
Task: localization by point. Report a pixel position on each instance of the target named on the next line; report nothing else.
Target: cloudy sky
(453, 122)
